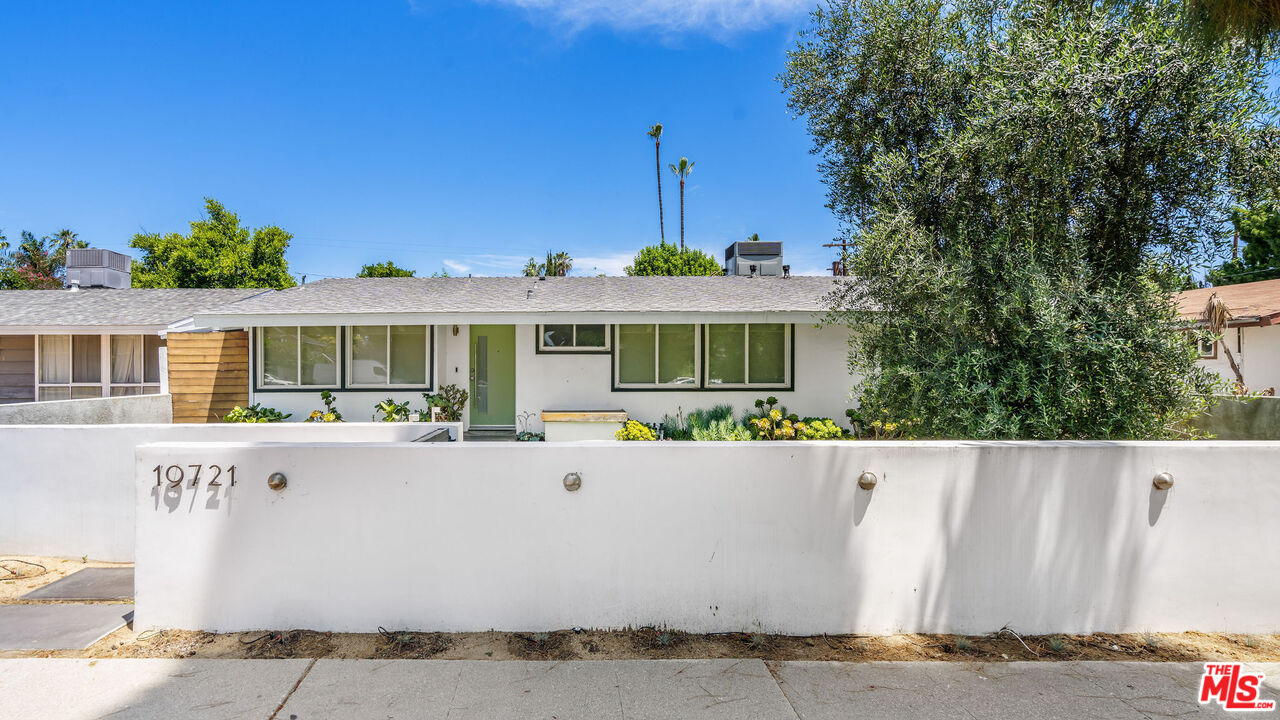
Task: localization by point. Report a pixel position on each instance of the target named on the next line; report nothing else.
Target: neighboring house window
(301, 357)
(573, 338)
(389, 356)
(135, 365)
(71, 366)
(1208, 348)
(748, 355)
(656, 356)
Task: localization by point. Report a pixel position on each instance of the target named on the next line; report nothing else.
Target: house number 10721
(176, 474)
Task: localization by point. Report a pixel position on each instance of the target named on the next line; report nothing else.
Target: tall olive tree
(1017, 180)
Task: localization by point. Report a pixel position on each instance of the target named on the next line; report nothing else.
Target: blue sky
(435, 133)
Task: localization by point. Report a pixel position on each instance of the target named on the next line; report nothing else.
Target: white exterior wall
(67, 490)
(1258, 358)
(548, 381)
(960, 537)
(584, 382)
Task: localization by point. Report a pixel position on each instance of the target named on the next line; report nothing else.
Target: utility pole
(840, 267)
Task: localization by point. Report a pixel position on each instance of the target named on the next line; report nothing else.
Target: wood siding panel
(208, 374)
(17, 368)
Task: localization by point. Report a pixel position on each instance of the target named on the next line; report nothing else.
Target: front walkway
(45, 689)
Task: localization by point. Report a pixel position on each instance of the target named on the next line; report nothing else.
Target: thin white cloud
(718, 17)
(454, 266)
(606, 264)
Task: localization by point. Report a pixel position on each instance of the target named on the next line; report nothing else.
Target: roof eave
(239, 320)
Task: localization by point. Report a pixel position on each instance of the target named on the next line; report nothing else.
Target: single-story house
(649, 346)
(98, 338)
(1252, 335)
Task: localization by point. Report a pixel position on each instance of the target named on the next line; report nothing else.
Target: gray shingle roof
(554, 294)
(102, 306)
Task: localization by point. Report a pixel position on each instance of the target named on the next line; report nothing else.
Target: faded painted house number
(175, 475)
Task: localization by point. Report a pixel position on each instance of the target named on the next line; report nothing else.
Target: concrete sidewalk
(46, 689)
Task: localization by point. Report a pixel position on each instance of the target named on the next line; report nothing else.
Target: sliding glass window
(389, 356)
(301, 357)
(748, 355)
(656, 356)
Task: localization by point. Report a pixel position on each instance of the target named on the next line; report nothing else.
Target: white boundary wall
(137, 409)
(775, 537)
(68, 490)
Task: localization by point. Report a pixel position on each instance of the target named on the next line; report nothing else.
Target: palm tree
(682, 171)
(1216, 315)
(557, 264)
(753, 237)
(655, 132)
(65, 240)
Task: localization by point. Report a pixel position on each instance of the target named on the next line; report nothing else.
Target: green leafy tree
(557, 265)
(1018, 180)
(383, 269)
(1258, 227)
(681, 170)
(37, 263)
(218, 253)
(667, 259)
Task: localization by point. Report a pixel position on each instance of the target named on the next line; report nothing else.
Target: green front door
(493, 375)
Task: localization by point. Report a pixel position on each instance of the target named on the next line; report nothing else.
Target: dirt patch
(288, 644)
(649, 644)
(542, 645)
(21, 575)
(410, 645)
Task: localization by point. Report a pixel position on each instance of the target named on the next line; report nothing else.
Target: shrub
(255, 413)
(329, 414)
(723, 429)
(392, 411)
(451, 398)
(686, 427)
(635, 431)
(812, 428)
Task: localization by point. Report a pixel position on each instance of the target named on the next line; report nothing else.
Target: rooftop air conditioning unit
(765, 256)
(95, 268)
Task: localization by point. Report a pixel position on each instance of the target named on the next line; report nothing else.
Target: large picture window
(72, 367)
(656, 356)
(748, 355)
(573, 338)
(389, 356)
(300, 357)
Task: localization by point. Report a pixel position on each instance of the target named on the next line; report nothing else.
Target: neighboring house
(99, 338)
(646, 345)
(1252, 335)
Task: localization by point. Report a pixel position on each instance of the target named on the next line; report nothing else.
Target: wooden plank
(208, 397)
(228, 345)
(619, 416)
(210, 367)
(203, 357)
(179, 376)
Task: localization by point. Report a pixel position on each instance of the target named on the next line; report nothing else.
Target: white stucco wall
(134, 409)
(1258, 357)
(776, 537)
(68, 490)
